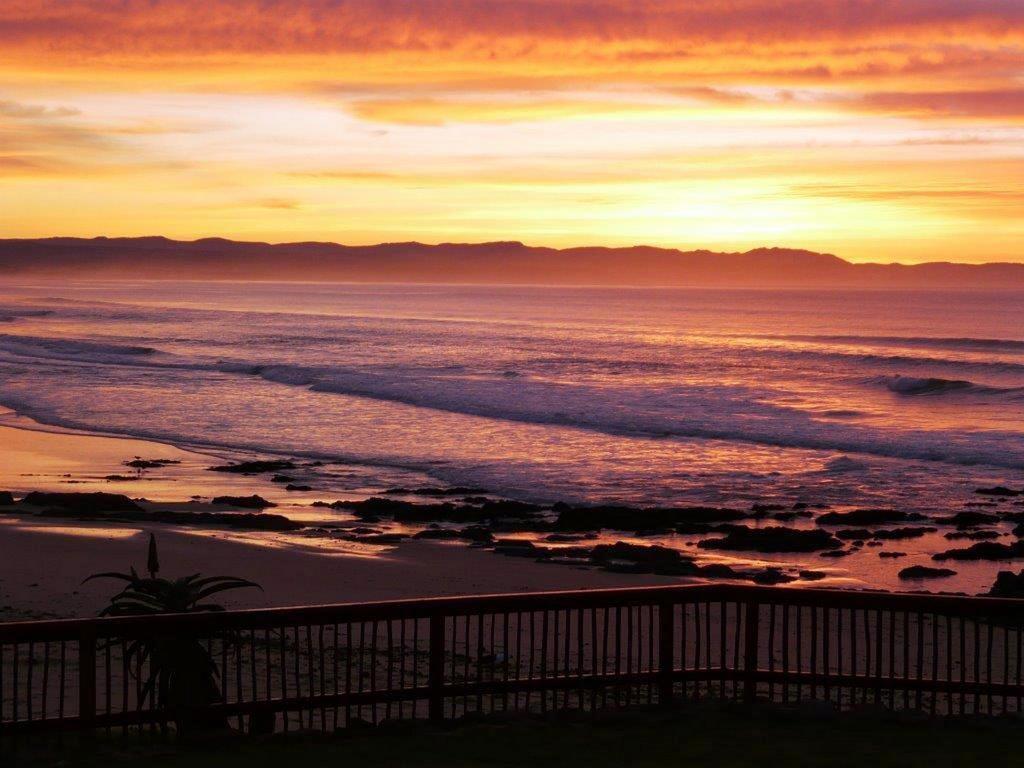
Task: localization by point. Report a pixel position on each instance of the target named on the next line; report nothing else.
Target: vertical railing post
(435, 670)
(87, 679)
(750, 651)
(666, 652)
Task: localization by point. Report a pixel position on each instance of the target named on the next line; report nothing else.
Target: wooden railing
(327, 666)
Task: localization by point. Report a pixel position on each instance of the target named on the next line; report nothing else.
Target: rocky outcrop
(1008, 584)
(254, 467)
(623, 518)
(925, 572)
(82, 503)
(773, 539)
(984, 550)
(243, 502)
(868, 517)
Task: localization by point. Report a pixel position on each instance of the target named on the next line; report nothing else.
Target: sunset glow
(880, 131)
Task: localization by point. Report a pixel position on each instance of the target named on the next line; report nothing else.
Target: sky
(878, 130)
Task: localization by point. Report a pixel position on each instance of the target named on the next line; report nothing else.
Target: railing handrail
(68, 629)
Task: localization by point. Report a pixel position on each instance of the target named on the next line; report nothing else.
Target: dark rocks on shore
(244, 502)
(969, 519)
(405, 511)
(908, 532)
(999, 490)
(640, 553)
(984, 550)
(854, 534)
(436, 492)
(1008, 584)
(868, 517)
(773, 539)
(6, 499)
(925, 572)
(83, 502)
(254, 467)
(984, 535)
(772, 576)
(149, 463)
(622, 518)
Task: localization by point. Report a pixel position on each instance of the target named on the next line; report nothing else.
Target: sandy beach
(43, 562)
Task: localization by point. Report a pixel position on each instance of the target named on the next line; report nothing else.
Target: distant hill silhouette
(496, 263)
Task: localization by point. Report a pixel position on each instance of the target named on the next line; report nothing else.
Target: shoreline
(342, 554)
(43, 560)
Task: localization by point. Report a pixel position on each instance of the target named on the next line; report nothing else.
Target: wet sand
(43, 562)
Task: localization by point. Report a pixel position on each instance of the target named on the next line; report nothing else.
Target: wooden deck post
(666, 652)
(750, 651)
(435, 670)
(87, 679)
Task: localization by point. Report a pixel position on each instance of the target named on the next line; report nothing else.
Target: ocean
(638, 396)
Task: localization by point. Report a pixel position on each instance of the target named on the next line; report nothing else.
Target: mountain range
(493, 263)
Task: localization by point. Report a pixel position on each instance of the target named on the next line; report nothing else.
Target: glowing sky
(874, 129)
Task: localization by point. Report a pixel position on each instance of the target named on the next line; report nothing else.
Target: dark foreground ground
(708, 738)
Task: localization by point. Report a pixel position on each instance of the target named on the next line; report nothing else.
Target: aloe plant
(182, 675)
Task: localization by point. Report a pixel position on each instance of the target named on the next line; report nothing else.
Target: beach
(43, 562)
(510, 438)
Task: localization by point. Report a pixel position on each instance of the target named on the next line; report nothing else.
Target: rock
(772, 539)
(909, 532)
(437, 492)
(785, 517)
(6, 499)
(622, 557)
(254, 467)
(969, 519)
(405, 511)
(568, 537)
(984, 550)
(244, 502)
(149, 463)
(437, 533)
(1008, 584)
(772, 576)
(925, 572)
(999, 490)
(518, 548)
(476, 534)
(849, 534)
(621, 518)
(83, 503)
(718, 571)
(868, 517)
(985, 535)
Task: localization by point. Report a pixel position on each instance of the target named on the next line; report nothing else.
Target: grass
(701, 736)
